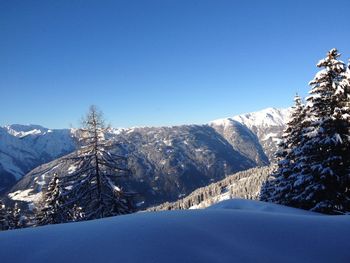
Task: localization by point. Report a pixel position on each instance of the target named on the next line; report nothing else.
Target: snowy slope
(19, 130)
(242, 139)
(259, 206)
(267, 124)
(244, 184)
(165, 161)
(252, 137)
(24, 147)
(230, 232)
(265, 117)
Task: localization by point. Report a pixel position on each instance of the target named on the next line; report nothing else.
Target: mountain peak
(265, 117)
(266, 124)
(20, 130)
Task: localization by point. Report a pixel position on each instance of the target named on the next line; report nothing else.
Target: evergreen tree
(279, 189)
(319, 180)
(325, 154)
(15, 217)
(52, 208)
(4, 224)
(77, 214)
(93, 186)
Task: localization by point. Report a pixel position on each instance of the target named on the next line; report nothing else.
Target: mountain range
(24, 147)
(167, 163)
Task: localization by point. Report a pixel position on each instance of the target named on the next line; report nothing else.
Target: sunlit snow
(231, 231)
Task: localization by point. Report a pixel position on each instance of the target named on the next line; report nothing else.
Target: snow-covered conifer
(4, 224)
(77, 213)
(52, 207)
(279, 189)
(325, 154)
(320, 179)
(15, 217)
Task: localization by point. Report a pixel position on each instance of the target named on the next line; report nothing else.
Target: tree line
(244, 184)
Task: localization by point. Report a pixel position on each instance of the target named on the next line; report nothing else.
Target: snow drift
(232, 231)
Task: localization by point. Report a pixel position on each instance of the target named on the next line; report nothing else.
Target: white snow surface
(262, 118)
(72, 169)
(232, 231)
(25, 196)
(20, 131)
(266, 117)
(258, 206)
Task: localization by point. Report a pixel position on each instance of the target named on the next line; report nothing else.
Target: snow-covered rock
(221, 234)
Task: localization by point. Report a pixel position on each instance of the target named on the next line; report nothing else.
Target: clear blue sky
(162, 62)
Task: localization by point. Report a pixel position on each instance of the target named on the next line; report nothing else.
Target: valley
(166, 163)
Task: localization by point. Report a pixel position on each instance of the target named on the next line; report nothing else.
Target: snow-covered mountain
(231, 231)
(24, 147)
(267, 125)
(167, 162)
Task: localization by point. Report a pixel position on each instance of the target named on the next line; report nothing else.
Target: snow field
(231, 231)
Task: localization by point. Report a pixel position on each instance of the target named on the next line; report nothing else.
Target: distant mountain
(167, 162)
(24, 147)
(242, 139)
(267, 125)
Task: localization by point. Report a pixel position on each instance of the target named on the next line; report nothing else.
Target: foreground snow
(231, 231)
(258, 206)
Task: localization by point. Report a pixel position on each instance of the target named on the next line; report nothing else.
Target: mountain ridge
(191, 155)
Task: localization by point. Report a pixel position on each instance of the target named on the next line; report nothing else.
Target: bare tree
(94, 184)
